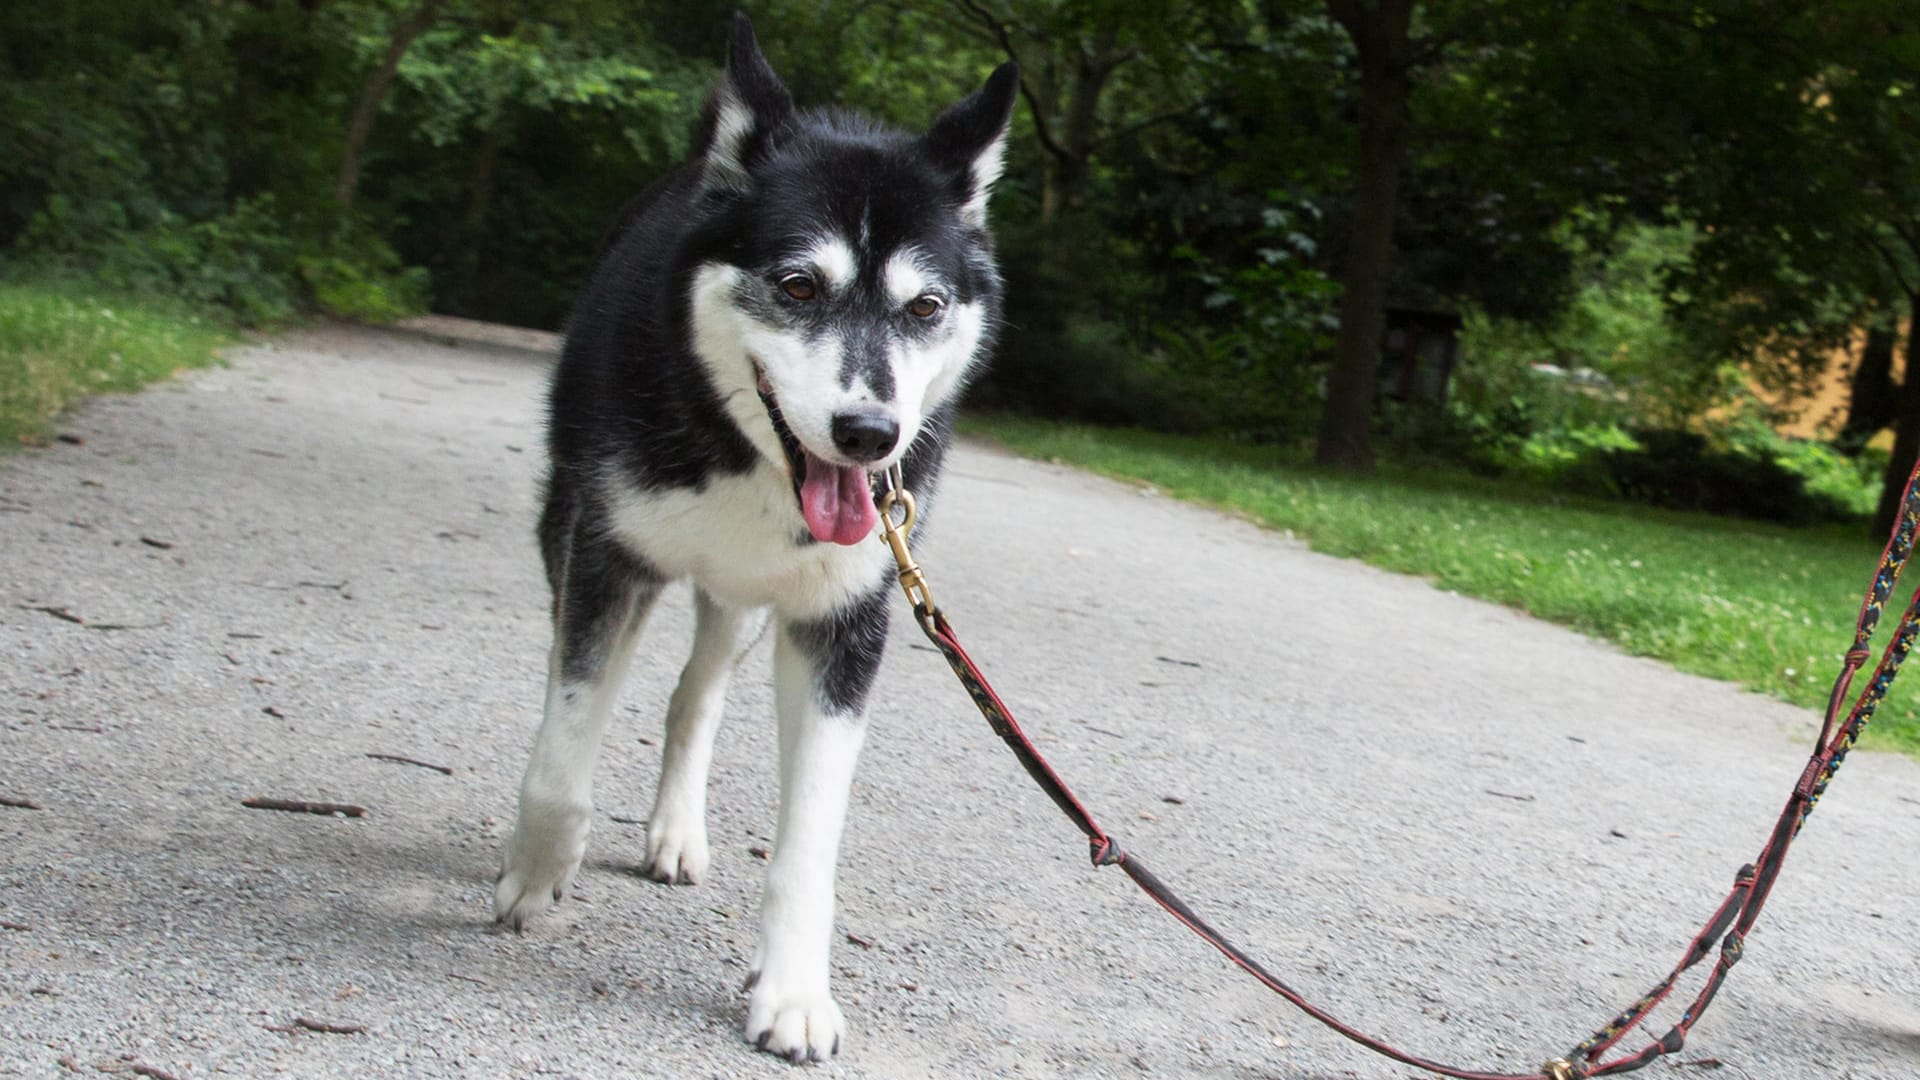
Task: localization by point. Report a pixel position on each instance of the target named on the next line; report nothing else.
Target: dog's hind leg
(822, 670)
(604, 595)
(677, 828)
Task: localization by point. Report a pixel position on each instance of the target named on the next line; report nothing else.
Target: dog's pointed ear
(969, 140)
(746, 112)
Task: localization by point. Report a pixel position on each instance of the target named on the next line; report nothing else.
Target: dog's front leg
(603, 595)
(823, 670)
(677, 828)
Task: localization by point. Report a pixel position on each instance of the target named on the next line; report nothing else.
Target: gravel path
(1473, 832)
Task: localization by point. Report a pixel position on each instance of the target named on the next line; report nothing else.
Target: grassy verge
(1766, 607)
(60, 342)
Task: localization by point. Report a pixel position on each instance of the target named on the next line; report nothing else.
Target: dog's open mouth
(835, 500)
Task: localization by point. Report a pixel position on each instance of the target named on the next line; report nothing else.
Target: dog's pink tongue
(837, 503)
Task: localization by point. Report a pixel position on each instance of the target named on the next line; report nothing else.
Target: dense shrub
(1745, 470)
(193, 150)
(1682, 470)
(1614, 397)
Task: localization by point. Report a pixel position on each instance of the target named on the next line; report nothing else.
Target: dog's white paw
(799, 1026)
(676, 836)
(677, 855)
(542, 858)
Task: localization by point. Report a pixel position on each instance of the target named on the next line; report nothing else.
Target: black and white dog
(791, 313)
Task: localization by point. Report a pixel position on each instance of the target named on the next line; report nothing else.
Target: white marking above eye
(833, 259)
(904, 278)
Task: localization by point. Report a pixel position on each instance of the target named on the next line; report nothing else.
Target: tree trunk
(1870, 393)
(1379, 32)
(1082, 119)
(1906, 430)
(479, 206)
(372, 94)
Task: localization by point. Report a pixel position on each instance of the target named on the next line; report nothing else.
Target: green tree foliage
(515, 136)
(1615, 339)
(197, 150)
(1789, 133)
(1197, 200)
(1784, 132)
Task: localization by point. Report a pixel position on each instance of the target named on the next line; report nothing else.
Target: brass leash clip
(896, 533)
(1559, 1069)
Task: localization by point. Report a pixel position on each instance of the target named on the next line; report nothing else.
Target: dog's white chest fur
(737, 536)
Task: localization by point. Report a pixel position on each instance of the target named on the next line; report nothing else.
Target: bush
(1850, 485)
(1615, 397)
(1088, 370)
(240, 261)
(1749, 472)
(253, 262)
(362, 278)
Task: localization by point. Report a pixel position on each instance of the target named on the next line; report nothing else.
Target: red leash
(1728, 925)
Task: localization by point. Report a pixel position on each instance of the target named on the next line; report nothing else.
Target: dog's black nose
(865, 436)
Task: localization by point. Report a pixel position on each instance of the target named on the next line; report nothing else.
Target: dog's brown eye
(924, 307)
(799, 286)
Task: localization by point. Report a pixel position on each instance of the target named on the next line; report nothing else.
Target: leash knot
(1105, 851)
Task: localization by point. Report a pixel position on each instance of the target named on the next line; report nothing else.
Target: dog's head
(842, 283)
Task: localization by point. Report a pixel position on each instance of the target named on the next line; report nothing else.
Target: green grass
(62, 341)
(1766, 607)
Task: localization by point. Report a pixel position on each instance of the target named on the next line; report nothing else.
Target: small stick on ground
(67, 615)
(8, 924)
(398, 760)
(20, 804)
(302, 806)
(325, 1028)
(1509, 795)
(141, 1068)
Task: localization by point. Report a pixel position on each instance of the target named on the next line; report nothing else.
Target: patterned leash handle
(1728, 925)
(1753, 883)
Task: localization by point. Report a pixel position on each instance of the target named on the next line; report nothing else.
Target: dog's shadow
(352, 905)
